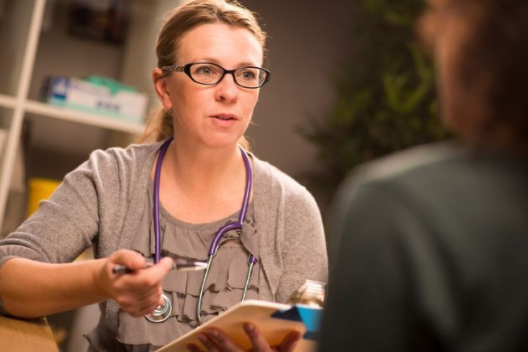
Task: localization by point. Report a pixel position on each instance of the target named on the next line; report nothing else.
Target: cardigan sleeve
(67, 223)
(304, 254)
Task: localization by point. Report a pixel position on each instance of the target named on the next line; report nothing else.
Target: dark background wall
(308, 40)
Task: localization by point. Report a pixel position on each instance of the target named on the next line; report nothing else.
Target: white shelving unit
(95, 120)
(30, 50)
(7, 101)
(18, 70)
(34, 44)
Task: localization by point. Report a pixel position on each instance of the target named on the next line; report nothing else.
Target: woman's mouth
(225, 117)
(224, 120)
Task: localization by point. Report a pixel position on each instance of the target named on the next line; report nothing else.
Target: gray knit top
(225, 282)
(100, 204)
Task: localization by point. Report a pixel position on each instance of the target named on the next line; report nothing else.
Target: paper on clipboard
(274, 320)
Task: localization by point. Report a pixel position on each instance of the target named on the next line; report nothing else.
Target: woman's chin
(223, 142)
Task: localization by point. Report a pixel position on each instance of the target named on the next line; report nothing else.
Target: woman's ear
(161, 87)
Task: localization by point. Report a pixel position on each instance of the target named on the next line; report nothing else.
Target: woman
(433, 244)
(208, 80)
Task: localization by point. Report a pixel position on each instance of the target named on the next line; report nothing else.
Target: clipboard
(274, 321)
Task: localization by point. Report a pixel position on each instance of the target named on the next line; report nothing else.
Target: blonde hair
(183, 19)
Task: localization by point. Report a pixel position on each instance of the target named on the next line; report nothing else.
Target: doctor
(194, 178)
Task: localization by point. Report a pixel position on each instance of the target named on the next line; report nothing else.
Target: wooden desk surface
(26, 335)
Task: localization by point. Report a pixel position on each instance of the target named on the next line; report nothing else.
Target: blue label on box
(59, 88)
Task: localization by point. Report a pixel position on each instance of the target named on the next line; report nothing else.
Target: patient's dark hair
(491, 64)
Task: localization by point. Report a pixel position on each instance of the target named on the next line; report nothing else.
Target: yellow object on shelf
(39, 189)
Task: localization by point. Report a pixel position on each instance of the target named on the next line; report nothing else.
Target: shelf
(76, 116)
(7, 101)
(35, 44)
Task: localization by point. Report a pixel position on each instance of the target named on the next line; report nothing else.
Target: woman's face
(446, 54)
(460, 113)
(211, 116)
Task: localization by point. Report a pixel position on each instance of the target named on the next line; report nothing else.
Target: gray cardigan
(100, 204)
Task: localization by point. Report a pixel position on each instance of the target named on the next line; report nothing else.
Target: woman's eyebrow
(216, 61)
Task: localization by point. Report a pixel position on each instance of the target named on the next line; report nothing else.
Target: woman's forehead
(220, 43)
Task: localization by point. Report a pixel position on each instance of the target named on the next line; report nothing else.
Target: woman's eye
(248, 75)
(206, 70)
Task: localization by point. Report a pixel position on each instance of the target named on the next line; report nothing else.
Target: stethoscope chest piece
(162, 312)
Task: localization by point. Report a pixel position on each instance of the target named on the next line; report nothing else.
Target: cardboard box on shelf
(96, 95)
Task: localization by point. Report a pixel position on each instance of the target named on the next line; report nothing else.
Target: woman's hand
(215, 340)
(137, 293)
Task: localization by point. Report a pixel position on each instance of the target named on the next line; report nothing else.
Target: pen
(190, 266)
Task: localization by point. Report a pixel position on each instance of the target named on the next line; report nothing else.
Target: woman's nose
(227, 89)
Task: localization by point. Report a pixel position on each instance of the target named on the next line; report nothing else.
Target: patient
(434, 241)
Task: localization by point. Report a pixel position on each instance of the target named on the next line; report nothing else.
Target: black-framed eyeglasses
(209, 74)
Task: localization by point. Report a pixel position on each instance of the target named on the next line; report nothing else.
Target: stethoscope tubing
(155, 208)
(243, 210)
(215, 244)
(248, 277)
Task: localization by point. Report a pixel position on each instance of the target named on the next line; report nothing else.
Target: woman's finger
(144, 310)
(151, 296)
(144, 279)
(208, 343)
(129, 258)
(257, 340)
(289, 342)
(140, 292)
(157, 272)
(222, 341)
(194, 348)
(145, 300)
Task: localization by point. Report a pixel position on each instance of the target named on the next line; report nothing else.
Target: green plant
(385, 95)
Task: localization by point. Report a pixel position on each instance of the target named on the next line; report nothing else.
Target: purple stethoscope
(163, 311)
